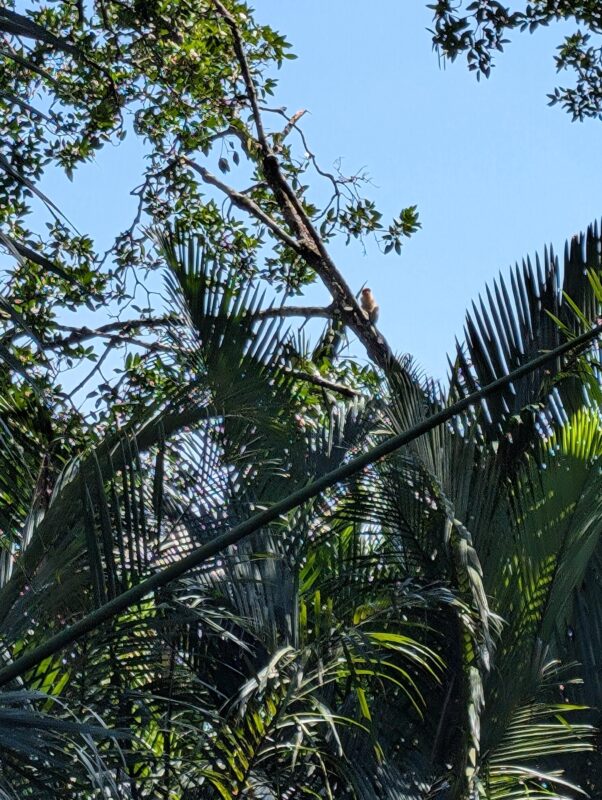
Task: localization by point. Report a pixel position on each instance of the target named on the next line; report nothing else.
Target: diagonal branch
(307, 240)
(246, 72)
(96, 368)
(311, 248)
(245, 203)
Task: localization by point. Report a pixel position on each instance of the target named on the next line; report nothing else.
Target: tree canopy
(250, 565)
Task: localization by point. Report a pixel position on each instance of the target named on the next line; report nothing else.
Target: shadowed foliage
(413, 631)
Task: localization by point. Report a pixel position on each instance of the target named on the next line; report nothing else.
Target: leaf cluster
(480, 30)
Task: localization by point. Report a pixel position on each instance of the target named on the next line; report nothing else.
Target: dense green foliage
(428, 628)
(413, 631)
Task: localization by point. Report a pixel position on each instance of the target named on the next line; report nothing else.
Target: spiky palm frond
(538, 737)
(544, 544)
(514, 323)
(181, 659)
(69, 750)
(264, 672)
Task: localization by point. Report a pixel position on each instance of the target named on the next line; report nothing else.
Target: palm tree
(412, 631)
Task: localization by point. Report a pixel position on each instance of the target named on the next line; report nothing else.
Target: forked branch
(303, 238)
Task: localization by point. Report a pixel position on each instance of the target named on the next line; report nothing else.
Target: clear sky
(495, 172)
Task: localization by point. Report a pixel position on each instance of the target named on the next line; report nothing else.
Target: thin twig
(92, 372)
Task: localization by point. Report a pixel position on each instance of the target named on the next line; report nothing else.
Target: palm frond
(540, 732)
(511, 325)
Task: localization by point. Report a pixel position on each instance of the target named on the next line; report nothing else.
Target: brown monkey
(369, 305)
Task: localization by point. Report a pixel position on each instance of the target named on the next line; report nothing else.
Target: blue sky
(495, 172)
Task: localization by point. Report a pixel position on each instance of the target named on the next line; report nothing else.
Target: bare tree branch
(324, 383)
(292, 123)
(323, 312)
(115, 330)
(92, 372)
(246, 72)
(245, 203)
(306, 240)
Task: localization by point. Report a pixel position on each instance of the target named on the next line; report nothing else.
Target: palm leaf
(515, 322)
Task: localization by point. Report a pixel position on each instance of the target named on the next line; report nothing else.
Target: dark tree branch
(324, 383)
(323, 312)
(245, 203)
(246, 72)
(306, 240)
(92, 372)
(21, 251)
(116, 330)
(312, 250)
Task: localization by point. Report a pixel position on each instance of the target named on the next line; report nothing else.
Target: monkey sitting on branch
(369, 305)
